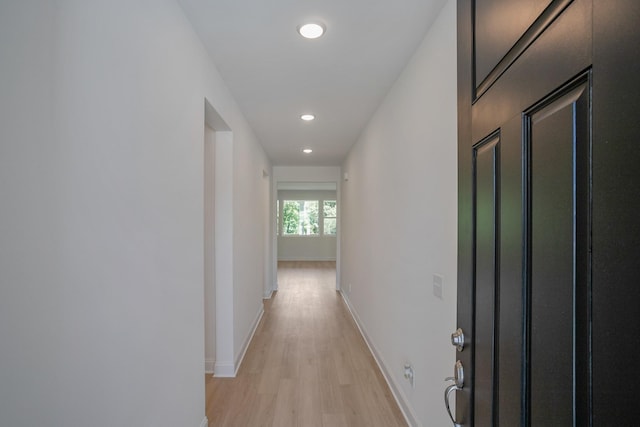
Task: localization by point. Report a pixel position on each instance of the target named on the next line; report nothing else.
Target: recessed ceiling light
(307, 151)
(307, 117)
(311, 30)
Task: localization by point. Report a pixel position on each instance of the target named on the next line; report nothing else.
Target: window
(300, 218)
(306, 217)
(329, 217)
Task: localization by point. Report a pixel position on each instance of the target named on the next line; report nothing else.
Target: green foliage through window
(300, 217)
(329, 213)
(303, 217)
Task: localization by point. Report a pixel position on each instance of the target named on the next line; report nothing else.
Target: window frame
(329, 217)
(280, 203)
(305, 200)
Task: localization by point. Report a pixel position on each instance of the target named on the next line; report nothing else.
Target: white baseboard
(224, 370)
(405, 407)
(309, 258)
(268, 295)
(209, 366)
(205, 422)
(247, 341)
(229, 370)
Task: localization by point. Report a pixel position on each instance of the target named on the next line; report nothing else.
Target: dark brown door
(549, 222)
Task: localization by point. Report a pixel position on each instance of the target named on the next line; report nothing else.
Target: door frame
(310, 174)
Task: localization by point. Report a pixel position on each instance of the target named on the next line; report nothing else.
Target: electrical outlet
(409, 374)
(349, 288)
(438, 282)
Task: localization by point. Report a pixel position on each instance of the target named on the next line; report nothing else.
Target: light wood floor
(307, 365)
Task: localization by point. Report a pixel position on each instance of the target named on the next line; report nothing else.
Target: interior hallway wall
(101, 218)
(399, 224)
(251, 195)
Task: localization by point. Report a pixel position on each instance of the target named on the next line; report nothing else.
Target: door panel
(559, 54)
(558, 138)
(556, 132)
(486, 185)
(510, 274)
(616, 224)
(531, 196)
(498, 26)
(551, 352)
(549, 236)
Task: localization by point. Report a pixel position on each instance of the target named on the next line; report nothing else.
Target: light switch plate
(438, 282)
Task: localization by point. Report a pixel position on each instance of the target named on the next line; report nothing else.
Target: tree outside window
(300, 218)
(329, 213)
(304, 217)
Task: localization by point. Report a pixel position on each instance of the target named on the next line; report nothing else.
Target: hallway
(307, 364)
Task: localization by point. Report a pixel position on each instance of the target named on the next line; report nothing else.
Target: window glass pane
(309, 217)
(290, 217)
(330, 208)
(330, 226)
(300, 217)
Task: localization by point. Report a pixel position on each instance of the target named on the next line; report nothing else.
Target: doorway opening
(217, 243)
(307, 223)
(209, 250)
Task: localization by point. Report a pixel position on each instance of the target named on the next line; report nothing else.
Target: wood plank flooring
(307, 365)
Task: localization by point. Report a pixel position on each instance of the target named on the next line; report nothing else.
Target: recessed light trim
(307, 117)
(311, 30)
(307, 150)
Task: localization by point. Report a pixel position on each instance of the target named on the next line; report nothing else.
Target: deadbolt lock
(457, 339)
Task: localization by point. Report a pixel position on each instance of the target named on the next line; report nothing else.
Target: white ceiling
(276, 75)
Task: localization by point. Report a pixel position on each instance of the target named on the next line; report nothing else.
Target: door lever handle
(447, 393)
(458, 384)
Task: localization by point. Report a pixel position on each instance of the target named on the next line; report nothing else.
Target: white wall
(320, 247)
(101, 218)
(251, 190)
(399, 215)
